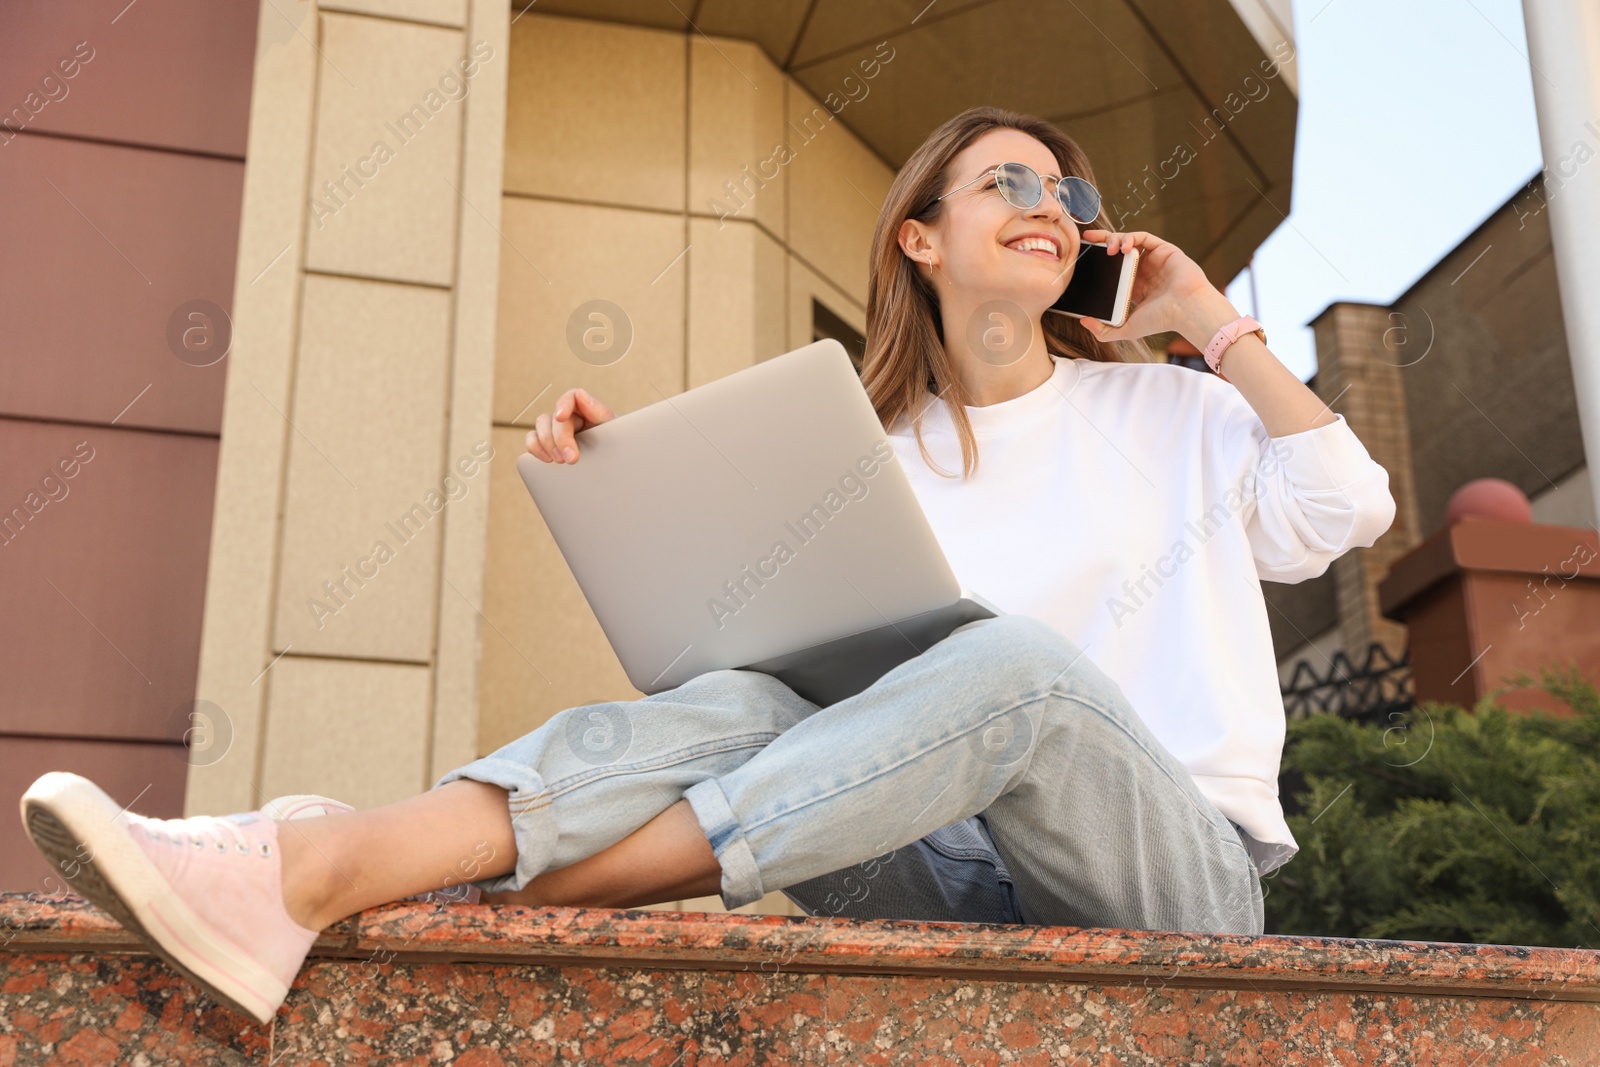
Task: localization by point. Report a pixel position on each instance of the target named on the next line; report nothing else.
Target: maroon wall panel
(103, 245)
(168, 73)
(150, 777)
(104, 586)
(123, 126)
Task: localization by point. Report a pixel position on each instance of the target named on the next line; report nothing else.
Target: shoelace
(219, 834)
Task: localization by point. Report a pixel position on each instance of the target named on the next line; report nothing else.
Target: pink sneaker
(310, 805)
(206, 893)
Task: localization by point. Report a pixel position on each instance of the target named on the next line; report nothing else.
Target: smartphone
(1101, 285)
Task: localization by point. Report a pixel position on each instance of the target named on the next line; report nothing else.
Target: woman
(1105, 754)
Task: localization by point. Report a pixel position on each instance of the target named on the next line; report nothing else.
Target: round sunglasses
(1022, 188)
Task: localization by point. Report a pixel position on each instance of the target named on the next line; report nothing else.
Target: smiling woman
(1097, 459)
(1002, 774)
(951, 238)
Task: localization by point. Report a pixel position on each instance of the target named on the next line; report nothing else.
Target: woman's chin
(1035, 293)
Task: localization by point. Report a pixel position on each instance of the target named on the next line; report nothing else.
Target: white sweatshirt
(1136, 507)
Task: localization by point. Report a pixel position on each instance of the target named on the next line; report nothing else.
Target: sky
(1416, 123)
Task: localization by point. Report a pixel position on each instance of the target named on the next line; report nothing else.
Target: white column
(1564, 48)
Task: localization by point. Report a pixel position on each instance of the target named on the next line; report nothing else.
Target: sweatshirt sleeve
(1305, 498)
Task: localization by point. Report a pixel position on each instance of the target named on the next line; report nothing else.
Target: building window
(825, 323)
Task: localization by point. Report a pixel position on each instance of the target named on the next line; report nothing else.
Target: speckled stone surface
(422, 984)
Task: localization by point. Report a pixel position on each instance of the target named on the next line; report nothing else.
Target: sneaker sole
(277, 805)
(66, 815)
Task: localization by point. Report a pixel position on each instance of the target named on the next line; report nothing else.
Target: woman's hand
(1167, 290)
(554, 436)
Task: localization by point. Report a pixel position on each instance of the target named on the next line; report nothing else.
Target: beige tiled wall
(556, 257)
(388, 211)
(596, 113)
(443, 12)
(347, 728)
(836, 187)
(704, 290)
(713, 259)
(805, 286)
(395, 330)
(736, 125)
(544, 650)
(359, 557)
(358, 406)
(736, 298)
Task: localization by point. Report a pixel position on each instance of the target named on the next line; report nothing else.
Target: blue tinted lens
(1018, 184)
(1078, 199)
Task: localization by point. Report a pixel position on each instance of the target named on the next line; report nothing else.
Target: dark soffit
(1130, 80)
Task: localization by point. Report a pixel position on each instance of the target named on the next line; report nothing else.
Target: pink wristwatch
(1227, 335)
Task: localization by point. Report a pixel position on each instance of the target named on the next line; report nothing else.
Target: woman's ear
(914, 242)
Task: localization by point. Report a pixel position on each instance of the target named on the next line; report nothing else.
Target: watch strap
(1228, 334)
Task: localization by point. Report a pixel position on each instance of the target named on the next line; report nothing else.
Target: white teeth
(1030, 243)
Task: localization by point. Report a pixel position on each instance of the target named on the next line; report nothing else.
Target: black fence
(1371, 692)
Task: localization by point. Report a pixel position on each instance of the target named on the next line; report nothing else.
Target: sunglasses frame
(1040, 179)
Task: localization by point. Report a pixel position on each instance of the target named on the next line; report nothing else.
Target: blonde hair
(905, 356)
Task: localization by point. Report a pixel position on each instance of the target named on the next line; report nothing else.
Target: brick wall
(1361, 352)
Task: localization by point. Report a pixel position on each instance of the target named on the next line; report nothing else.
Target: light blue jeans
(1000, 776)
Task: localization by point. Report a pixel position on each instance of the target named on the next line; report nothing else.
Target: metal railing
(1380, 686)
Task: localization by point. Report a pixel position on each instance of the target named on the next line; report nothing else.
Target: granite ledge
(666, 940)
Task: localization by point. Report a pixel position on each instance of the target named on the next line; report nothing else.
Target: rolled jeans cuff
(741, 879)
(533, 822)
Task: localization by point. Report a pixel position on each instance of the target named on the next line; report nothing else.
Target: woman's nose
(1048, 207)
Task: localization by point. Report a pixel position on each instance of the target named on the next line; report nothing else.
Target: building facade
(363, 243)
(1465, 375)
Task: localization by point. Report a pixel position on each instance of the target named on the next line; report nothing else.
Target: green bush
(1446, 825)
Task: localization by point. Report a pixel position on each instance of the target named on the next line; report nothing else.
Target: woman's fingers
(542, 441)
(1099, 329)
(569, 419)
(562, 429)
(592, 410)
(535, 447)
(1114, 242)
(550, 431)
(553, 438)
(1117, 243)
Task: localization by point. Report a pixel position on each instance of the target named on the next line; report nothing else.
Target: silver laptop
(761, 521)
